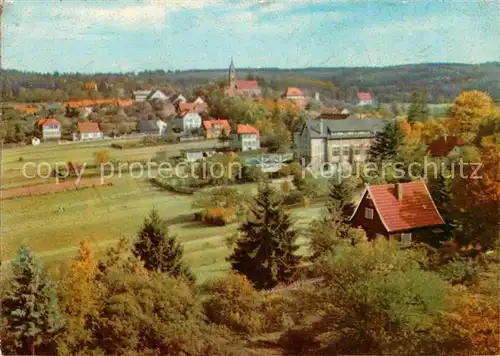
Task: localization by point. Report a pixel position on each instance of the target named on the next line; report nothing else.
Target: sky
(131, 35)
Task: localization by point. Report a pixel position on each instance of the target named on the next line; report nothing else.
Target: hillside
(396, 83)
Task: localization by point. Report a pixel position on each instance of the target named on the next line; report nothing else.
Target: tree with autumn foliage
(79, 293)
(467, 111)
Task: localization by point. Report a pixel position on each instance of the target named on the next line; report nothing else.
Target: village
(317, 194)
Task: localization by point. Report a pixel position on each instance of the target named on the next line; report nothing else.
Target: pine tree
(414, 110)
(159, 250)
(340, 199)
(387, 142)
(424, 108)
(31, 307)
(441, 190)
(265, 252)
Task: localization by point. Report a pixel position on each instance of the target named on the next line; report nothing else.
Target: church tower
(232, 75)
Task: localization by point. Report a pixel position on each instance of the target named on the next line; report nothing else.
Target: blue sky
(127, 35)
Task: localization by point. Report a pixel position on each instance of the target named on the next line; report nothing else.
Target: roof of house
(246, 84)
(352, 127)
(88, 127)
(90, 85)
(443, 145)
(246, 129)
(48, 121)
(224, 123)
(292, 91)
(364, 96)
(332, 114)
(416, 209)
(28, 109)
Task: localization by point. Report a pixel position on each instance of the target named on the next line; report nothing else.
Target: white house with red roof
(245, 138)
(365, 99)
(88, 131)
(49, 128)
(397, 211)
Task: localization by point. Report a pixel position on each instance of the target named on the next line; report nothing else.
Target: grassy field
(54, 224)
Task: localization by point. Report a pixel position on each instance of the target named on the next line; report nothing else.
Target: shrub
(235, 304)
(218, 216)
(102, 157)
(285, 171)
(460, 271)
(276, 311)
(294, 197)
(285, 187)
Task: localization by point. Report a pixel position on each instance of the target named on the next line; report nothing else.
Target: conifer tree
(265, 252)
(31, 307)
(387, 142)
(441, 190)
(159, 250)
(419, 110)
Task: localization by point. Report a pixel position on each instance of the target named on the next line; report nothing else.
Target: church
(245, 88)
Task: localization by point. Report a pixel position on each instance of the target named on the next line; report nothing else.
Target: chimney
(399, 191)
(321, 127)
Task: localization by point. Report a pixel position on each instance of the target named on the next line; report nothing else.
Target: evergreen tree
(340, 199)
(419, 110)
(159, 250)
(387, 142)
(31, 307)
(441, 191)
(265, 253)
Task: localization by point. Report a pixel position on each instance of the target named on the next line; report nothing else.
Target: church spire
(232, 75)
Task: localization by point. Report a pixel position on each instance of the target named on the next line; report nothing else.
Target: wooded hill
(444, 81)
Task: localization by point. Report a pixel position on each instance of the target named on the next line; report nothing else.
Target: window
(335, 151)
(406, 238)
(345, 151)
(368, 213)
(357, 150)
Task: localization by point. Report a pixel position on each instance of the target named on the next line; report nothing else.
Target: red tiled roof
(87, 127)
(415, 210)
(246, 129)
(247, 84)
(292, 91)
(364, 96)
(224, 123)
(444, 145)
(48, 121)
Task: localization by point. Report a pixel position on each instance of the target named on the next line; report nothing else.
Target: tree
(159, 250)
(79, 294)
(265, 252)
(224, 138)
(467, 111)
(418, 110)
(387, 142)
(31, 307)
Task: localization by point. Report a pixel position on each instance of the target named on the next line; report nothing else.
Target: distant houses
(187, 122)
(88, 131)
(245, 138)
(324, 143)
(396, 211)
(141, 95)
(49, 128)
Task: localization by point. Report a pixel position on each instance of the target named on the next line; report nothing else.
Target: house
(175, 99)
(141, 95)
(157, 94)
(152, 127)
(215, 128)
(446, 146)
(333, 114)
(49, 128)
(365, 99)
(327, 143)
(195, 154)
(124, 102)
(192, 107)
(187, 122)
(90, 86)
(296, 95)
(246, 88)
(27, 109)
(245, 138)
(396, 211)
(199, 100)
(88, 131)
